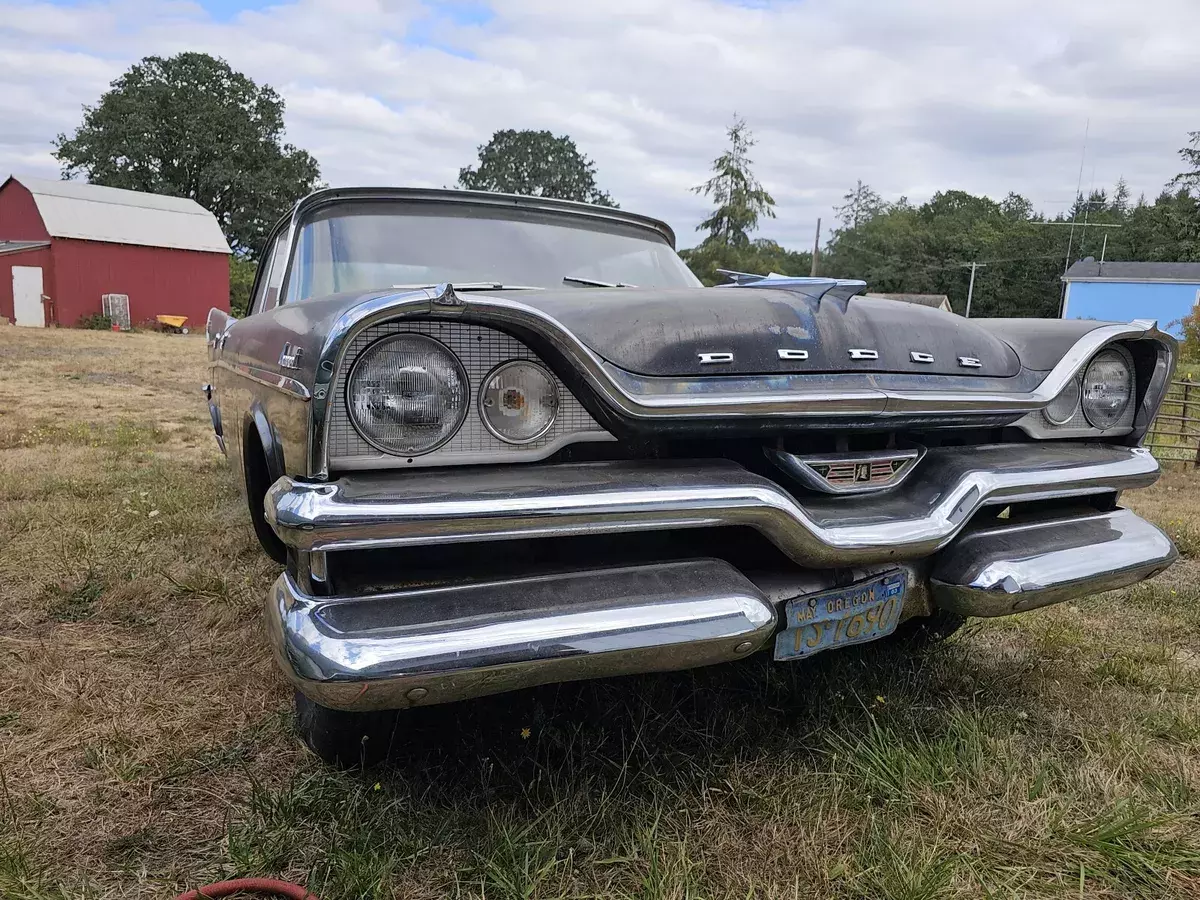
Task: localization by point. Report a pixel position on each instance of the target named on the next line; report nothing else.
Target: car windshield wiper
(471, 286)
(592, 282)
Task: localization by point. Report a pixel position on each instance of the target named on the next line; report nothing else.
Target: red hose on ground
(250, 886)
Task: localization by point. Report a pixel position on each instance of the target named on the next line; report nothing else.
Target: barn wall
(39, 257)
(19, 218)
(158, 281)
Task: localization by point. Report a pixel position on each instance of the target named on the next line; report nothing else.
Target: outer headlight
(1107, 388)
(518, 401)
(407, 394)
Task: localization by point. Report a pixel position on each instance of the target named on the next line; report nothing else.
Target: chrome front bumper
(433, 645)
(914, 521)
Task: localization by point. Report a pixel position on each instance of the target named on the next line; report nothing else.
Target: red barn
(64, 245)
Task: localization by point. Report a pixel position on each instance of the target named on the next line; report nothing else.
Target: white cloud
(909, 96)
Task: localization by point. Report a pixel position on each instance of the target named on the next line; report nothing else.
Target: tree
(241, 282)
(1120, 198)
(190, 126)
(740, 199)
(537, 164)
(1191, 157)
(860, 206)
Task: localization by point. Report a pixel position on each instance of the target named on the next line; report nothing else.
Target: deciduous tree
(190, 126)
(537, 164)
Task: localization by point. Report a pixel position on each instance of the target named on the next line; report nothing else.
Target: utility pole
(816, 249)
(971, 287)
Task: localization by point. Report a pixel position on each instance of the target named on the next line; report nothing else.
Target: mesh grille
(479, 350)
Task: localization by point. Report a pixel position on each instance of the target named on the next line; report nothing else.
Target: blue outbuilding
(1123, 291)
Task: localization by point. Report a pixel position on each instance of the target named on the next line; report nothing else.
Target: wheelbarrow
(176, 324)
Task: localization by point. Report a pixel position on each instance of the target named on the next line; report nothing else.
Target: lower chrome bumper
(427, 646)
(436, 645)
(1010, 568)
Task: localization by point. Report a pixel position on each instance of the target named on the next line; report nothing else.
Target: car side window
(267, 296)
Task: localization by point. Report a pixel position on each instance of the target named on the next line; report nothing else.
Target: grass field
(145, 741)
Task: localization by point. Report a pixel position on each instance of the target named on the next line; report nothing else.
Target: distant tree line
(903, 247)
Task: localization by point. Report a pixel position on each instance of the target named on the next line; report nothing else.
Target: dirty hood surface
(663, 332)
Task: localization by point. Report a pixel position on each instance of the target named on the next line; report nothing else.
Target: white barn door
(27, 296)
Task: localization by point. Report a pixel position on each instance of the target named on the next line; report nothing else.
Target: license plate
(861, 612)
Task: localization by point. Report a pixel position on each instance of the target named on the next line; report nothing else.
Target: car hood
(665, 332)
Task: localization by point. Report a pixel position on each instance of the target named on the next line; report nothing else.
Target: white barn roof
(89, 212)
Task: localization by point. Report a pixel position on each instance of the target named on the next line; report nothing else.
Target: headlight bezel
(1126, 359)
(456, 364)
(483, 387)
(1147, 375)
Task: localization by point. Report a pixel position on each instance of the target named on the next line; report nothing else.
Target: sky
(910, 97)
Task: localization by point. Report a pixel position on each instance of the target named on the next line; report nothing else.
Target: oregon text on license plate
(836, 618)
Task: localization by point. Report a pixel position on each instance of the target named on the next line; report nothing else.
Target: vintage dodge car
(502, 441)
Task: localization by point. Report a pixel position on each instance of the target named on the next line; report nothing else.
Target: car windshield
(383, 244)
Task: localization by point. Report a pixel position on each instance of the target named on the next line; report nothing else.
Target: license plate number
(861, 612)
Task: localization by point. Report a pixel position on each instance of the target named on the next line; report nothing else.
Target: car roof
(326, 196)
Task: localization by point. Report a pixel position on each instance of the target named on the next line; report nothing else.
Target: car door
(224, 405)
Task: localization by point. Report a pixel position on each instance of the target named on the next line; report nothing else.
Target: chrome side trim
(387, 651)
(271, 379)
(1011, 568)
(915, 520)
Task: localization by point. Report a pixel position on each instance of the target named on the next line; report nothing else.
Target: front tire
(347, 740)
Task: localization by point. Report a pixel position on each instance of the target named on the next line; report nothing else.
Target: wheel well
(259, 478)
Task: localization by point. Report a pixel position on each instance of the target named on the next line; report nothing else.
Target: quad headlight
(407, 394)
(518, 401)
(1062, 409)
(1107, 388)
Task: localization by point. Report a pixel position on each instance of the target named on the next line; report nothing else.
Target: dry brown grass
(145, 738)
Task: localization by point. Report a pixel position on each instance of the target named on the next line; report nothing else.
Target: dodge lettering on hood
(502, 441)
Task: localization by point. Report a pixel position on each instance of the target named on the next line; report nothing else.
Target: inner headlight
(518, 401)
(1062, 408)
(407, 394)
(1107, 388)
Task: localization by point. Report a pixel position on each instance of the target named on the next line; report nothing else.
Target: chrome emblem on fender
(918, 356)
(289, 356)
(970, 362)
(708, 358)
(864, 354)
(849, 473)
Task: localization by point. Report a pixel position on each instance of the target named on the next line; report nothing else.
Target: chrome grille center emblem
(849, 473)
